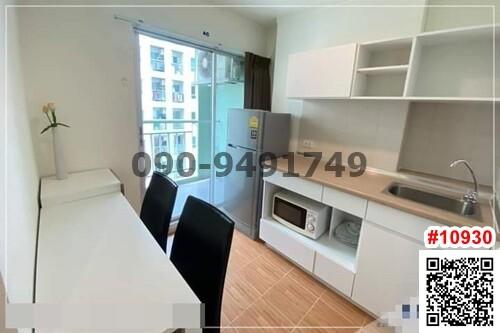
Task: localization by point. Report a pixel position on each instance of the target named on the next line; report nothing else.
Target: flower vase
(61, 172)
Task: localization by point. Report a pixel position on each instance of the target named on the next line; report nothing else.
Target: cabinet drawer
(333, 274)
(295, 184)
(286, 241)
(407, 224)
(344, 201)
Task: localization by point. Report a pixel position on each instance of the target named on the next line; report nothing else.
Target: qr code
(458, 288)
(459, 292)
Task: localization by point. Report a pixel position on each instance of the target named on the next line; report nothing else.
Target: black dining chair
(157, 207)
(200, 252)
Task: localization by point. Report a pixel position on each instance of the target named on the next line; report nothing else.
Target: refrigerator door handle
(240, 147)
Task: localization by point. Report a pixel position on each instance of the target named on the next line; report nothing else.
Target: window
(159, 113)
(193, 143)
(178, 91)
(157, 58)
(193, 65)
(178, 114)
(177, 62)
(193, 91)
(180, 145)
(193, 115)
(158, 88)
(160, 143)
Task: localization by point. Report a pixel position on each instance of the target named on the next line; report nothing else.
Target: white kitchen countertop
(78, 185)
(96, 255)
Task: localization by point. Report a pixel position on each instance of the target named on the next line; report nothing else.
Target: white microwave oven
(301, 214)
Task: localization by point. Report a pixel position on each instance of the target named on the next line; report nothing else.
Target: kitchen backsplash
(374, 128)
(421, 137)
(437, 133)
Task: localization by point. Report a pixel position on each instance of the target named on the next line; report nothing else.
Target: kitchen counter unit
(381, 271)
(371, 186)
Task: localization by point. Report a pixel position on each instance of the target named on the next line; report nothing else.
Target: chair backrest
(157, 207)
(200, 252)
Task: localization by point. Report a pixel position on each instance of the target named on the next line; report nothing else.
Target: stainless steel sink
(454, 205)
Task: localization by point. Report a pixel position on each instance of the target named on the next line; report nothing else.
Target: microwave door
(290, 213)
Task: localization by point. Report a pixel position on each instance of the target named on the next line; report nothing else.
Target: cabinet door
(322, 73)
(387, 269)
(287, 242)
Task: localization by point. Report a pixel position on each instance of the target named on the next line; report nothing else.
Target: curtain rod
(139, 25)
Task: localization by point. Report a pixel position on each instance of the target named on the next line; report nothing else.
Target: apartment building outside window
(159, 113)
(160, 143)
(158, 88)
(193, 91)
(178, 114)
(180, 143)
(193, 65)
(157, 58)
(177, 62)
(178, 91)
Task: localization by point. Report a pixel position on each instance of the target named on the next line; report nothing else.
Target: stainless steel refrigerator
(251, 133)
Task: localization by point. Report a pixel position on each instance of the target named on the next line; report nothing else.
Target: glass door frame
(214, 51)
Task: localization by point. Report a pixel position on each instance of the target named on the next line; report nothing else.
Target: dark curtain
(257, 82)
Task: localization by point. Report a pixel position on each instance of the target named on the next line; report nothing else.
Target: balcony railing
(170, 135)
(178, 97)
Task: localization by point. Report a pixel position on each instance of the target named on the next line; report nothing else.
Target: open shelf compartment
(394, 52)
(381, 68)
(327, 246)
(454, 64)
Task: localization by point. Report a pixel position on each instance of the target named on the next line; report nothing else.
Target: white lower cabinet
(286, 241)
(387, 269)
(333, 274)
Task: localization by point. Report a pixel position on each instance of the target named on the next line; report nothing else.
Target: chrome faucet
(470, 196)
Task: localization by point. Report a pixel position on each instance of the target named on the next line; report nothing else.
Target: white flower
(45, 109)
(52, 107)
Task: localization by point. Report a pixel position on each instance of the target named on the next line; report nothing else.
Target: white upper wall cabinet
(454, 64)
(446, 65)
(322, 73)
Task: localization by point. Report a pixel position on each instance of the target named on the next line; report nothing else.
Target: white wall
(84, 61)
(2, 174)
(448, 17)
(19, 231)
(323, 27)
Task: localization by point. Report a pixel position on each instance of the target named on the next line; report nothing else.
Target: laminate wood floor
(264, 292)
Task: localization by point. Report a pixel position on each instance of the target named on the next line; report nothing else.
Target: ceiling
(266, 12)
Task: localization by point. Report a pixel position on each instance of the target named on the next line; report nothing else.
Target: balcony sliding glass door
(186, 92)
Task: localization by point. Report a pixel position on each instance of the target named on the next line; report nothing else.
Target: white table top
(78, 185)
(97, 252)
